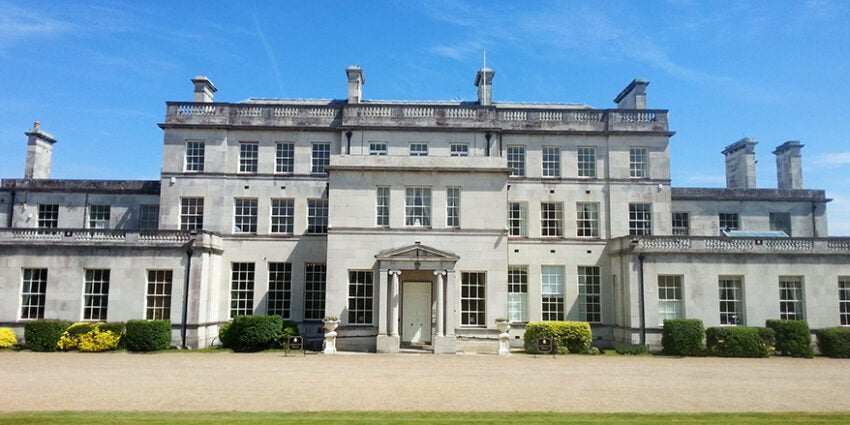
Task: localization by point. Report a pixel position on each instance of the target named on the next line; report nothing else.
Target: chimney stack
(204, 89)
(484, 82)
(39, 153)
(633, 96)
(789, 165)
(741, 164)
(356, 80)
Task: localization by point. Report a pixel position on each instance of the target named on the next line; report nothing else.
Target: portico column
(441, 306)
(394, 302)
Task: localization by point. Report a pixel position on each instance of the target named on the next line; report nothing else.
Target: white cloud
(831, 160)
(18, 24)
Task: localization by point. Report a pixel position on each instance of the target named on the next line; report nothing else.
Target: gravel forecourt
(273, 382)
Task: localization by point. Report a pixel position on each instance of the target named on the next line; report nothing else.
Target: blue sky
(97, 73)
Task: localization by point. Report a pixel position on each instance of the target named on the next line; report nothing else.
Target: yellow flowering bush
(89, 337)
(7, 338)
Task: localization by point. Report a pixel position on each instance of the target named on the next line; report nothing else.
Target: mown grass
(351, 418)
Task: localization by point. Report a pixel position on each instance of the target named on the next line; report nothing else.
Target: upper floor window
(194, 160)
(518, 219)
(453, 207)
(459, 149)
(48, 216)
(681, 224)
(191, 213)
(729, 221)
(418, 149)
(248, 157)
(378, 148)
(551, 219)
(781, 222)
(587, 220)
(516, 160)
(321, 157)
(99, 216)
(245, 215)
(382, 209)
(149, 217)
(284, 161)
(640, 219)
(587, 162)
(638, 163)
(417, 206)
(551, 161)
(282, 216)
(317, 216)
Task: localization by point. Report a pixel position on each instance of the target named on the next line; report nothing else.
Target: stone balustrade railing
(726, 245)
(93, 236)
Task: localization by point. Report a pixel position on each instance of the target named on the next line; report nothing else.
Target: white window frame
(729, 221)
(242, 278)
(320, 157)
(516, 160)
(732, 303)
(315, 282)
(590, 294)
(377, 148)
(282, 217)
(284, 160)
(518, 293)
(459, 149)
(777, 226)
(158, 296)
(792, 298)
(245, 215)
(587, 219)
(551, 219)
(361, 297)
(317, 216)
(844, 300)
(586, 162)
(552, 293)
(640, 219)
(418, 149)
(473, 299)
(48, 216)
(148, 216)
(551, 161)
(193, 160)
(453, 207)
(518, 219)
(249, 157)
(681, 223)
(417, 206)
(96, 295)
(670, 298)
(279, 299)
(33, 292)
(382, 206)
(99, 216)
(191, 213)
(638, 162)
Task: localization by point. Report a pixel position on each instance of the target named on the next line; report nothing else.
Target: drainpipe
(641, 302)
(11, 210)
(814, 224)
(186, 274)
(348, 135)
(487, 150)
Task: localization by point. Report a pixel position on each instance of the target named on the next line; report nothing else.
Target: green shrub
(567, 337)
(767, 336)
(792, 337)
(289, 329)
(683, 337)
(632, 350)
(91, 337)
(253, 333)
(148, 335)
(834, 342)
(735, 341)
(43, 335)
(7, 338)
(224, 334)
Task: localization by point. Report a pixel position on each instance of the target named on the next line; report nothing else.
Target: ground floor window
(590, 294)
(518, 293)
(844, 300)
(280, 290)
(791, 298)
(33, 293)
(670, 304)
(96, 295)
(159, 295)
(472, 299)
(241, 289)
(552, 292)
(315, 275)
(731, 300)
(360, 297)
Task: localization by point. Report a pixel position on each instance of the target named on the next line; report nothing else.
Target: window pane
(285, 158)
(518, 293)
(314, 291)
(551, 161)
(159, 295)
(360, 297)
(280, 290)
(320, 158)
(33, 293)
(551, 219)
(472, 299)
(241, 289)
(516, 160)
(418, 206)
(552, 292)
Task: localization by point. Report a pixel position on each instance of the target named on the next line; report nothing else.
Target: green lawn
(123, 418)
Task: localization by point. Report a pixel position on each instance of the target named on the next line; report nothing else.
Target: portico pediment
(416, 252)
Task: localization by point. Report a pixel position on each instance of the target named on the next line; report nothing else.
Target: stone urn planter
(504, 327)
(331, 323)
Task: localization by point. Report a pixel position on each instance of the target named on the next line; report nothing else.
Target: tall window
(587, 220)
(360, 297)
(551, 161)
(681, 224)
(844, 300)
(729, 221)
(590, 294)
(321, 157)
(96, 295)
(781, 222)
(453, 207)
(418, 149)
(191, 213)
(33, 293)
(194, 160)
(516, 160)
(552, 292)
(551, 219)
(378, 148)
(670, 304)
(159, 295)
(314, 291)
(245, 215)
(382, 206)
(518, 219)
(241, 289)
(638, 163)
(731, 300)
(282, 216)
(149, 217)
(459, 149)
(279, 300)
(284, 159)
(587, 162)
(317, 216)
(518, 293)
(417, 207)
(99, 216)
(248, 157)
(640, 219)
(472, 299)
(48, 216)
(791, 306)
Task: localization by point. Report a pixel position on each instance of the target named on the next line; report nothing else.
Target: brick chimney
(789, 165)
(356, 80)
(484, 82)
(204, 89)
(741, 164)
(633, 96)
(39, 153)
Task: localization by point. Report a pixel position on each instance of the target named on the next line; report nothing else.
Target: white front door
(416, 312)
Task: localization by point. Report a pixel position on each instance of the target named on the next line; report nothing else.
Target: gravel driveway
(413, 382)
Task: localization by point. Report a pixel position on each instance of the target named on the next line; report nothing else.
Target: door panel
(416, 312)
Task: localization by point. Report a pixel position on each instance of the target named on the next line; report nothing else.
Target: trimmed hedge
(792, 337)
(834, 342)
(567, 337)
(148, 335)
(43, 335)
(683, 337)
(735, 341)
(251, 333)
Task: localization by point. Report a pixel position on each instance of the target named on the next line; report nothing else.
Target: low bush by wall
(148, 335)
(7, 338)
(43, 335)
(834, 342)
(683, 337)
(567, 337)
(91, 337)
(289, 329)
(251, 333)
(792, 337)
(735, 341)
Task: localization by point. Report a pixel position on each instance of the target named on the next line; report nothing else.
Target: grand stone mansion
(418, 224)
